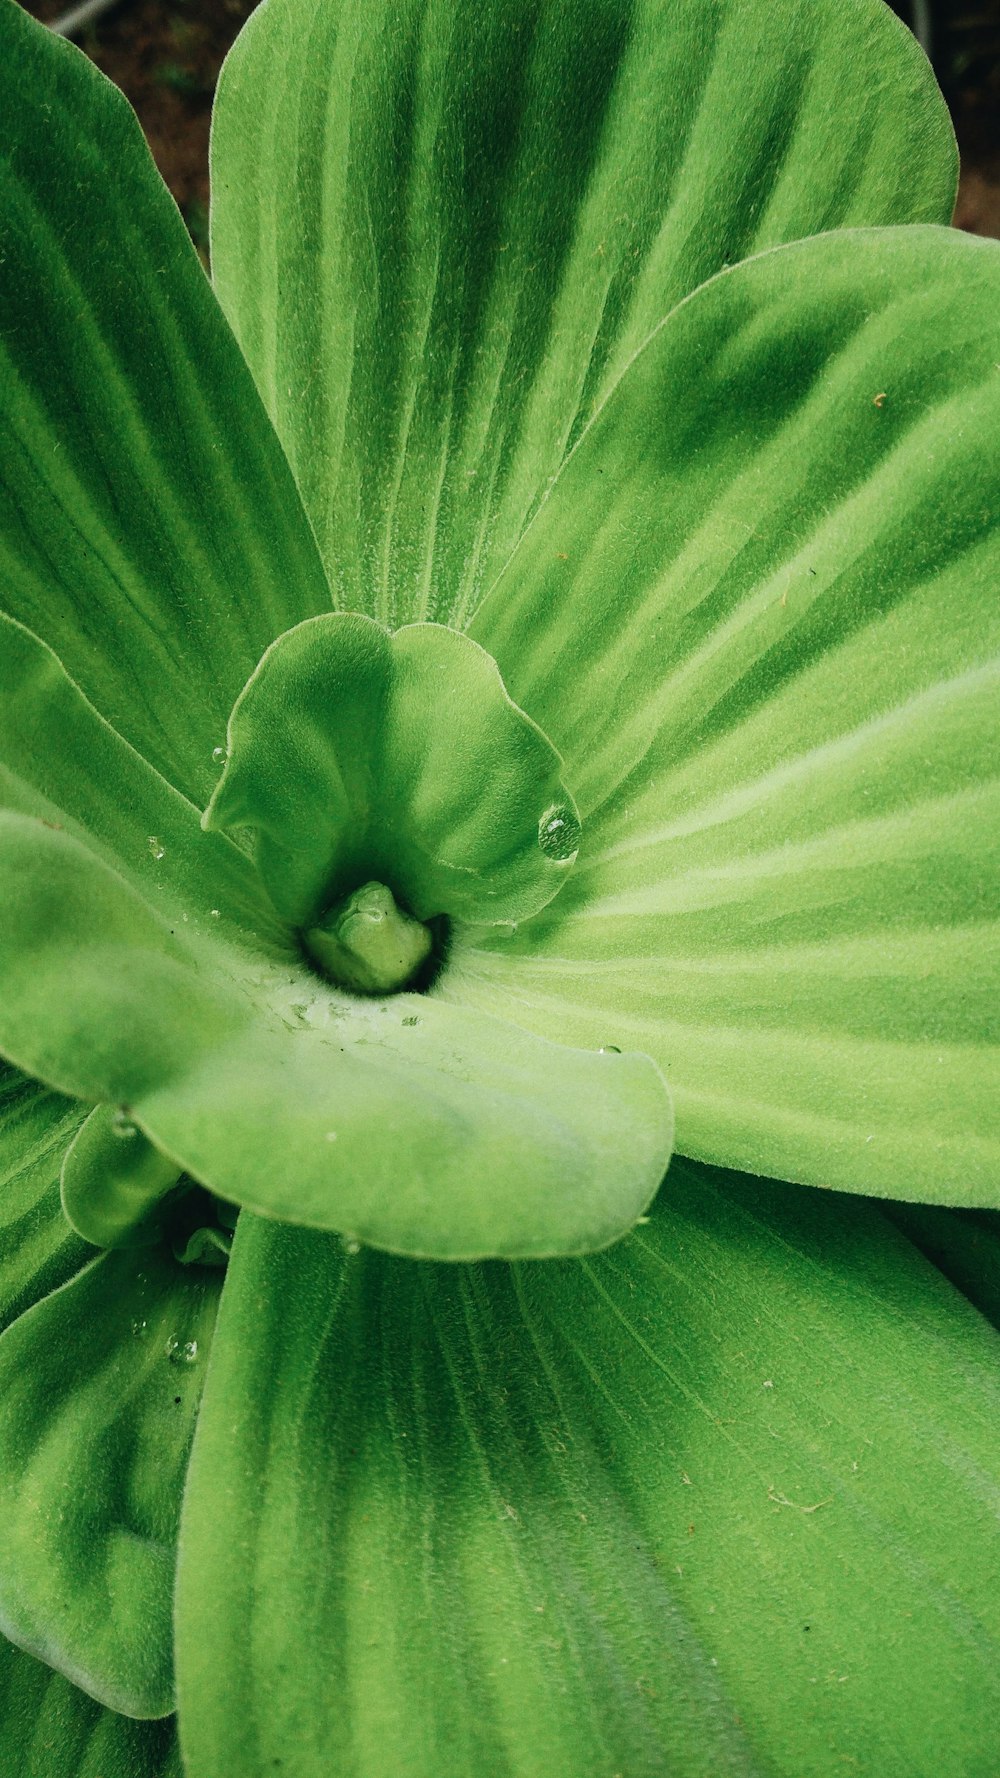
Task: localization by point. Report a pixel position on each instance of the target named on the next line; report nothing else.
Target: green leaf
(101, 998)
(149, 526)
(62, 762)
(38, 1251)
(421, 1129)
(112, 1179)
(50, 1729)
(963, 1244)
(441, 229)
(357, 755)
(758, 617)
(409, 1123)
(716, 1502)
(99, 1392)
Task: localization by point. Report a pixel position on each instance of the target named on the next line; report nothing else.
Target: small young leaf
(112, 1180)
(355, 755)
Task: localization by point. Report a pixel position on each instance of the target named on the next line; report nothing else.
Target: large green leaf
(99, 1391)
(149, 526)
(409, 1123)
(718, 1502)
(38, 1249)
(441, 228)
(50, 1729)
(758, 617)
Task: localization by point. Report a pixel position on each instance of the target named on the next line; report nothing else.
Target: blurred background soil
(166, 55)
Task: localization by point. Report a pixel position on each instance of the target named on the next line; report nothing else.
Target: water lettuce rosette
(496, 690)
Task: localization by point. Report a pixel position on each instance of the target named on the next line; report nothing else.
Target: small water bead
(122, 1126)
(331, 1135)
(139, 1327)
(156, 847)
(219, 755)
(216, 913)
(609, 1049)
(559, 833)
(350, 1244)
(184, 1352)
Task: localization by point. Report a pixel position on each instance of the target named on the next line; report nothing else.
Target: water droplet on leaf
(331, 1135)
(219, 754)
(215, 913)
(138, 1327)
(156, 846)
(559, 832)
(122, 1126)
(609, 1049)
(350, 1244)
(183, 1352)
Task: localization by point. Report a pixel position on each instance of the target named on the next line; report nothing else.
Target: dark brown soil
(166, 55)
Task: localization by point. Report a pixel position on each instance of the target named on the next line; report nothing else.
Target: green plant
(606, 574)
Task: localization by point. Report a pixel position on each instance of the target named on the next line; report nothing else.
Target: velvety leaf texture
(717, 1502)
(118, 378)
(50, 1729)
(768, 651)
(441, 231)
(38, 1250)
(99, 1391)
(667, 715)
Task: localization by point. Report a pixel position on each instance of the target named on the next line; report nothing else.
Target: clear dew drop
(122, 1126)
(350, 1244)
(183, 1352)
(609, 1049)
(559, 832)
(139, 1328)
(216, 913)
(219, 755)
(331, 1135)
(156, 847)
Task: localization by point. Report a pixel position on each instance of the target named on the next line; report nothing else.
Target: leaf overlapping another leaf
(443, 234)
(441, 231)
(770, 652)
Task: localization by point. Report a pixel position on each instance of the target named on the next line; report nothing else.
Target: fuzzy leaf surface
(355, 754)
(642, 1508)
(51, 1729)
(99, 1391)
(440, 232)
(758, 617)
(149, 527)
